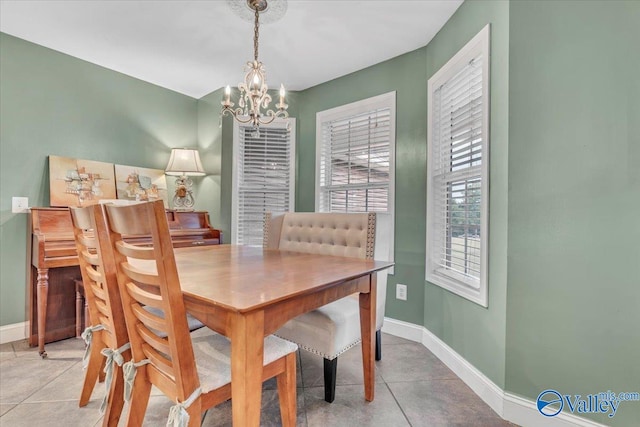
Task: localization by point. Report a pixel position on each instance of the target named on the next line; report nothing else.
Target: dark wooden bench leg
(330, 370)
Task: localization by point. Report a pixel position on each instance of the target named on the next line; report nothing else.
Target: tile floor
(413, 388)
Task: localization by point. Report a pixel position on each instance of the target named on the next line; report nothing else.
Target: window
(457, 175)
(355, 147)
(263, 177)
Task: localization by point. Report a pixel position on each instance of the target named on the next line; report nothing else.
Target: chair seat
(213, 357)
(192, 322)
(327, 331)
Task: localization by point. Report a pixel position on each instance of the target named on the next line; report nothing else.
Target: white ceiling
(196, 47)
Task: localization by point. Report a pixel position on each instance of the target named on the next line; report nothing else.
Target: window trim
(385, 100)
(479, 44)
(278, 123)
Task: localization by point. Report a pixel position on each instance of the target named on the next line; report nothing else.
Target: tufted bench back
(358, 235)
(332, 329)
(349, 234)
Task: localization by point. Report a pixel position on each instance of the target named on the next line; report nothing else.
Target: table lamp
(184, 162)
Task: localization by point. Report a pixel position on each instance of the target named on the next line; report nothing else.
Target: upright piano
(54, 267)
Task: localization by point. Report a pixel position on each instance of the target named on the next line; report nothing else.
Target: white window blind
(263, 179)
(458, 173)
(355, 158)
(354, 165)
(355, 150)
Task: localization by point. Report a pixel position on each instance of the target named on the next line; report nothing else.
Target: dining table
(247, 293)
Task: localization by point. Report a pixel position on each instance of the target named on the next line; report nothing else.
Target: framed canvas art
(77, 182)
(141, 184)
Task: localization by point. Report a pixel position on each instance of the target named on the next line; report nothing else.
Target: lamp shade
(185, 161)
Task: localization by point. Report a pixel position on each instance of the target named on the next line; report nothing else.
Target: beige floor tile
(412, 386)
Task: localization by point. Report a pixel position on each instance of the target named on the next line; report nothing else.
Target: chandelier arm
(264, 121)
(272, 115)
(237, 114)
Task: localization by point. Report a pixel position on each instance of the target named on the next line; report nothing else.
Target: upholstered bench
(334, 328)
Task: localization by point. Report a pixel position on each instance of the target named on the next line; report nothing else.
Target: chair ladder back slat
(99, 273)
(91, 258)
(142, 296)
(109, 284)
(143, 220)
(97, 290)
(140, 276)
(81, 222)
(103, 310)
(151, 339)
(138, 252)
(88, 238)
(150, 320)
(94, 274)
(107, 322)
(161, 366)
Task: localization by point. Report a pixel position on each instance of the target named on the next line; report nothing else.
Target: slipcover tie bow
(113, 356)
(178, 415)
(129, 373)
(87, 336)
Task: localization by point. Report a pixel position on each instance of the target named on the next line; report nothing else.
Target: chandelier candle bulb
(281, 96)
(227, 95)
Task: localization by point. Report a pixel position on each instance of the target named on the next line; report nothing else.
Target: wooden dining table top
(246, 293)
(245, 278)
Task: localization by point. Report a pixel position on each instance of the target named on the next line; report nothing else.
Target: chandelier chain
(256, 29)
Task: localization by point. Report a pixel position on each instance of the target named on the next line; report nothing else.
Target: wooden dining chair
(194, 373)
(106, 337)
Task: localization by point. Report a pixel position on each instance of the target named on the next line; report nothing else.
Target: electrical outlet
(401, 292)
(19, 204)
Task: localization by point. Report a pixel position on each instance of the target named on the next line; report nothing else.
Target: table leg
(367, 330)
(247, 351)
(42, 294)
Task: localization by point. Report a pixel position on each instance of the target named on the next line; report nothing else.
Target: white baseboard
(13, 332)
(488, 391)
(402, 329)
(524, 412)
(513, 408)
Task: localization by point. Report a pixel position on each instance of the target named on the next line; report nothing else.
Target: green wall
(52, 103)
(211, 137)
(573, 307)
(476, 333)
(405, 75)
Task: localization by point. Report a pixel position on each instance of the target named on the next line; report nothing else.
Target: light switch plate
(19, 204)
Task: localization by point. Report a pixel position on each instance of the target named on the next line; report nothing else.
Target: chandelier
(253, 90)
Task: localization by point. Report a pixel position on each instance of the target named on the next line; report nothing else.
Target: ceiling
(196, 47)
